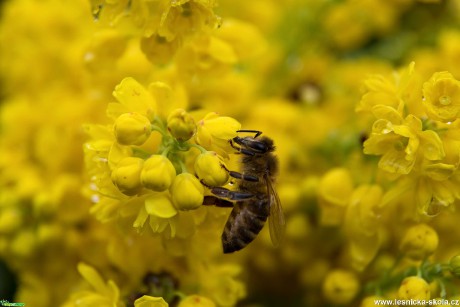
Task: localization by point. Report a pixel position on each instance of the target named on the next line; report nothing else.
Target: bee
(255, 200)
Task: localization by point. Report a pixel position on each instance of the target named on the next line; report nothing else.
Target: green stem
(182, 166)
(202, 149)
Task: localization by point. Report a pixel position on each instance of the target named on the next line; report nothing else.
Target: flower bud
(419, 242)
(181, 125)
(150, 301)
(187, 192)
(132, 129)
(126, 175)
(454, 264)
(414, 287)
(334, 191)
(215, 131)
(340, 287)
(210, 168)
(158, 173)
(196, 301)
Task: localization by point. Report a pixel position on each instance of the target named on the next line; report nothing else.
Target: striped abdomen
(245, 222)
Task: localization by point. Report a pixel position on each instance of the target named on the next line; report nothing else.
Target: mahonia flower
(158, 173)
(149, 181)
(442, 97)
(206, 56)
(414, 287)
(181, 125)
(334, 192)
(132, 129)
(170, 19)
(127, 175)
(101, 294)
(340, 286)
(149, 301)
(398, 91)
(211, 169)
(400, 141)
(187, 192)
(215, 131)
(362, 224)
(133, 97)
(419, 242)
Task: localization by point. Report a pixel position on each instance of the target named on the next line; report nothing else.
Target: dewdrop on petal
(419, 242)
(340, 287)
(126, 175)
(210, 168)
(158, 173)
(181, 125)
(187, 192)
(132, 129)
(415, 288)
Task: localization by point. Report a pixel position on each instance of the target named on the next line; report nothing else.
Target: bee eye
(259, 146)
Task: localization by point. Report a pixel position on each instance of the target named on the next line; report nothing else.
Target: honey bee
(255, 198)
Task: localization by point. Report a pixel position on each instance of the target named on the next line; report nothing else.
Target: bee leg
(244, 151)
(216, 201)
(257, 132)
(232, 195)
(241, 176)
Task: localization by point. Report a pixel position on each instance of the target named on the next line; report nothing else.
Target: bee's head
(268, 145)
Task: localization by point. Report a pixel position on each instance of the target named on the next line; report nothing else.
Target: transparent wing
(276, 219)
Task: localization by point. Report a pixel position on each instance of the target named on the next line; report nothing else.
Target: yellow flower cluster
(119, 124)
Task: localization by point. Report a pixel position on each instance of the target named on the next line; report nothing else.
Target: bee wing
(276, 218)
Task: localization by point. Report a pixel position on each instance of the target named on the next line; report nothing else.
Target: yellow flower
(196, 301)
(399, 141)
(102, 294)
(158, 173)
(220, 284)
(334, 191)
(187, 192)
(150, 301)
(210, 168)
(132, 129)
(214, 132)
(362, 224)
(159, 210)
(340, 286)
(185, 17)
(126, 175)
(132, 97)
(414, 287)
(107, 46)
(398, 90)
(442, 97)
(206, 56)
(181, 125)
(245, 38)
(158, 50)
(419, 242)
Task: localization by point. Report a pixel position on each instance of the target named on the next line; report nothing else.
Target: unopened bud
(126, 175)
(158, 173)
(132, 129)
(181, 125)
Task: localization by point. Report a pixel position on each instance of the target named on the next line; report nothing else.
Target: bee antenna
(257, 132)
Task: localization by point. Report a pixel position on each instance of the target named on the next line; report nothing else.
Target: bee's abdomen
(244, 224)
